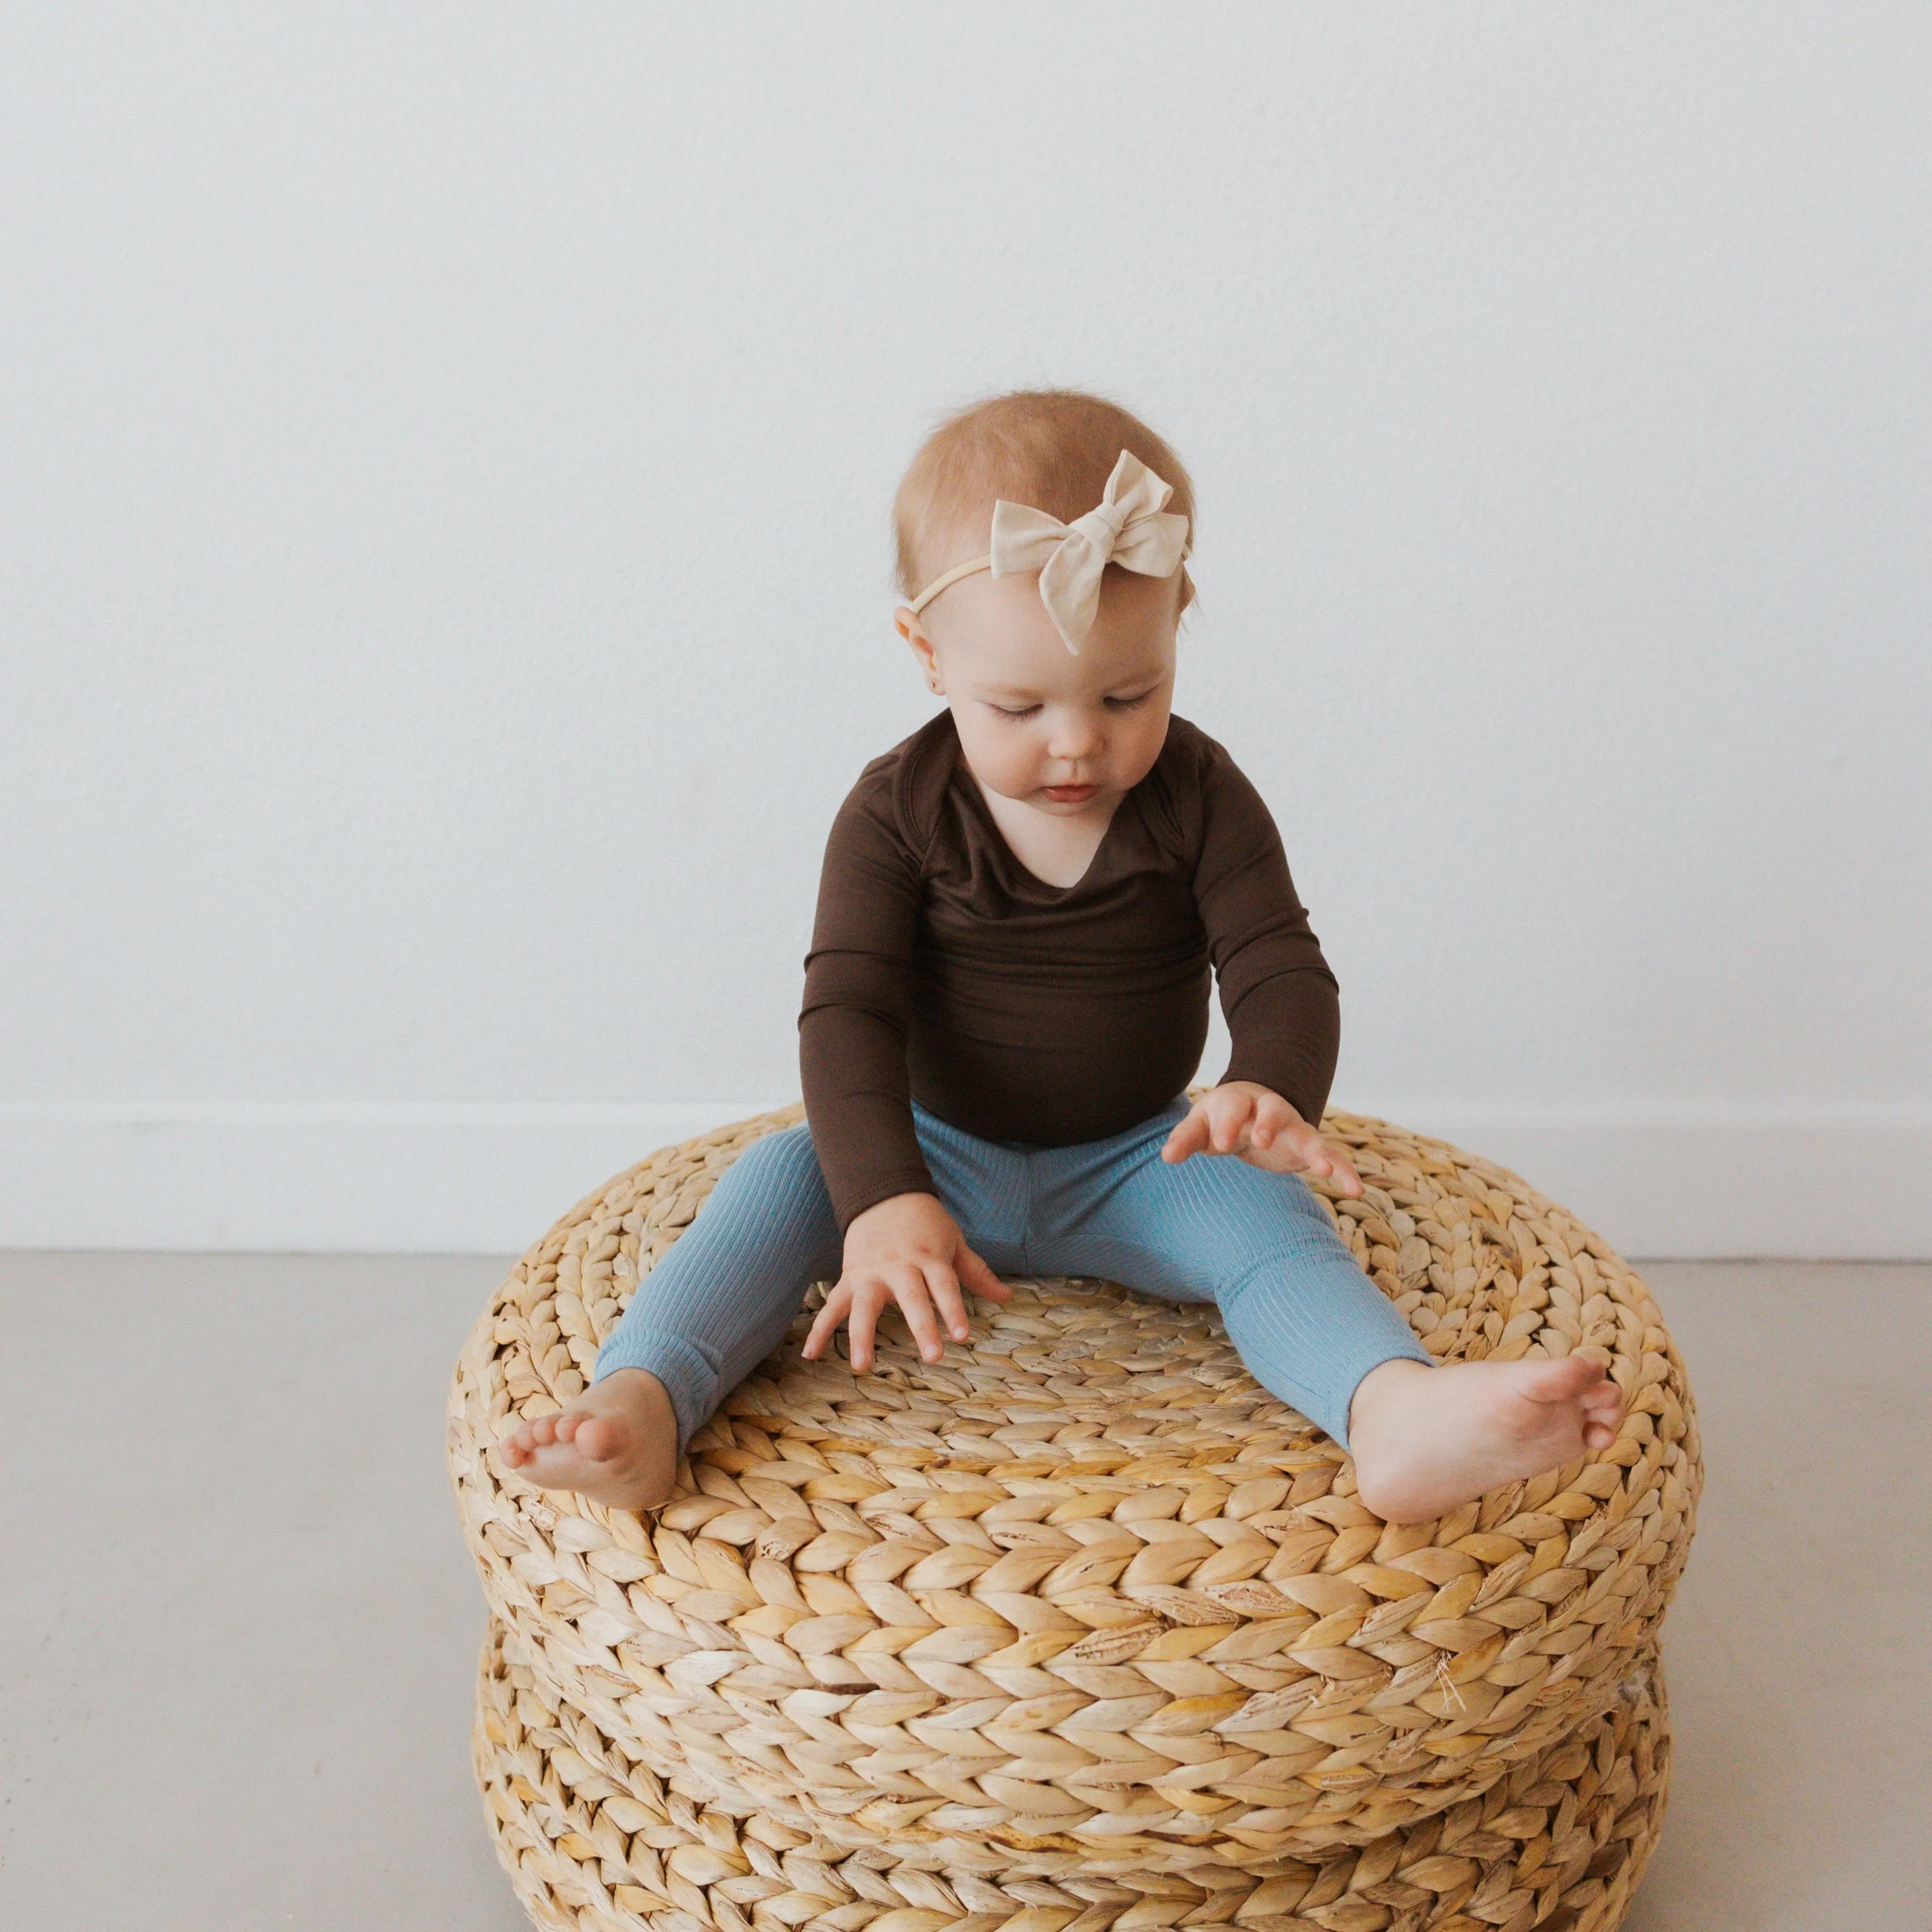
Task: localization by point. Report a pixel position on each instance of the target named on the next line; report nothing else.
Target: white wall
(446, 452)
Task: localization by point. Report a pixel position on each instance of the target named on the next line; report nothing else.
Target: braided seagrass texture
(594, 1840)
(1083, 1587)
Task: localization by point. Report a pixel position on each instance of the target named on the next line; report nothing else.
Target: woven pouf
(1082, 1589)
(594, 1840)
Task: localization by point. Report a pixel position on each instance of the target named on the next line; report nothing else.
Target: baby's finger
(942, 1285)
(829, 1317)
(1343, 1169)
(859, 1325)
(1190, 1135)
(1230, 1113)
(909, 1291)
(1274, 1117)
(1315, 1154)
(979, 1277)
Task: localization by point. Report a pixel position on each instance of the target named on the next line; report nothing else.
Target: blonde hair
(1052, 448)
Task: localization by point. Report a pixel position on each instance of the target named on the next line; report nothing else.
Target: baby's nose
(1074, 738)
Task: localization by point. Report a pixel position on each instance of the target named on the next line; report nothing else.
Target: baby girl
(1006, 996)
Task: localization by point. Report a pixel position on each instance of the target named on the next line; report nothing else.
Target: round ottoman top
(1082, 1586)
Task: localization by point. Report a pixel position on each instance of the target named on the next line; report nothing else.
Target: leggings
(1308, 1324)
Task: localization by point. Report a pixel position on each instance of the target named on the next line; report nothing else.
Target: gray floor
(237, 1625)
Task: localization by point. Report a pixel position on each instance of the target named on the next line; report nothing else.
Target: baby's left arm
(1282, 1006)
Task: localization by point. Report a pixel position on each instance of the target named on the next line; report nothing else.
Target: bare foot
(1426, 1439)
(616, 1444)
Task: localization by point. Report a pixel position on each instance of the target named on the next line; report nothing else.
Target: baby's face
(1066, 734)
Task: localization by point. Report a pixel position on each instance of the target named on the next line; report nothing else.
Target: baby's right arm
(900, 1244)
(910, 1250)
(857, 1009)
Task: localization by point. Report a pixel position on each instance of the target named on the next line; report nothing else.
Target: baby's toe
(1602, 1407)
(543, 1432)
(598, 1438)
(1566, 1378)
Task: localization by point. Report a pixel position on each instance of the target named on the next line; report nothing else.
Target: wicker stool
(1081, 1597)
(592, 1837)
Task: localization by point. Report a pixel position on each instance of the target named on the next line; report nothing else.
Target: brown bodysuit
(942, 970)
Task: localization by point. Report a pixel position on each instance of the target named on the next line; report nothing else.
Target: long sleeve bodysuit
(942, 970)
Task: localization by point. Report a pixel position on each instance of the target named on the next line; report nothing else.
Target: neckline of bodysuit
(964, 781)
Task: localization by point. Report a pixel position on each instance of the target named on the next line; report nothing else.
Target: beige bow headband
(1128, 527)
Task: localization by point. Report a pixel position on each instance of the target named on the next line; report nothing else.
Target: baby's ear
(905, 621)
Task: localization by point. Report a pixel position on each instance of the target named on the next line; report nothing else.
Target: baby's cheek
(1004, 756)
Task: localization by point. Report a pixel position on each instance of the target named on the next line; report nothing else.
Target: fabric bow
(1129, 527)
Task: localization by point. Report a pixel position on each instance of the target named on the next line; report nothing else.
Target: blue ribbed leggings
(1308, 1323)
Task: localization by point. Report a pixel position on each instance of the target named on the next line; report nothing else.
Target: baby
(1006, 995)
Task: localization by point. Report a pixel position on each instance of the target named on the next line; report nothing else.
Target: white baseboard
(396, 1177)
(1714, 1182)
(427, 1177)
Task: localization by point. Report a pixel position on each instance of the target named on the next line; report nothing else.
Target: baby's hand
(910, 1250)
(1243, 1117)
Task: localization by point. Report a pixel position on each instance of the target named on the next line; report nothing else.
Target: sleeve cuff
(907, 1181)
